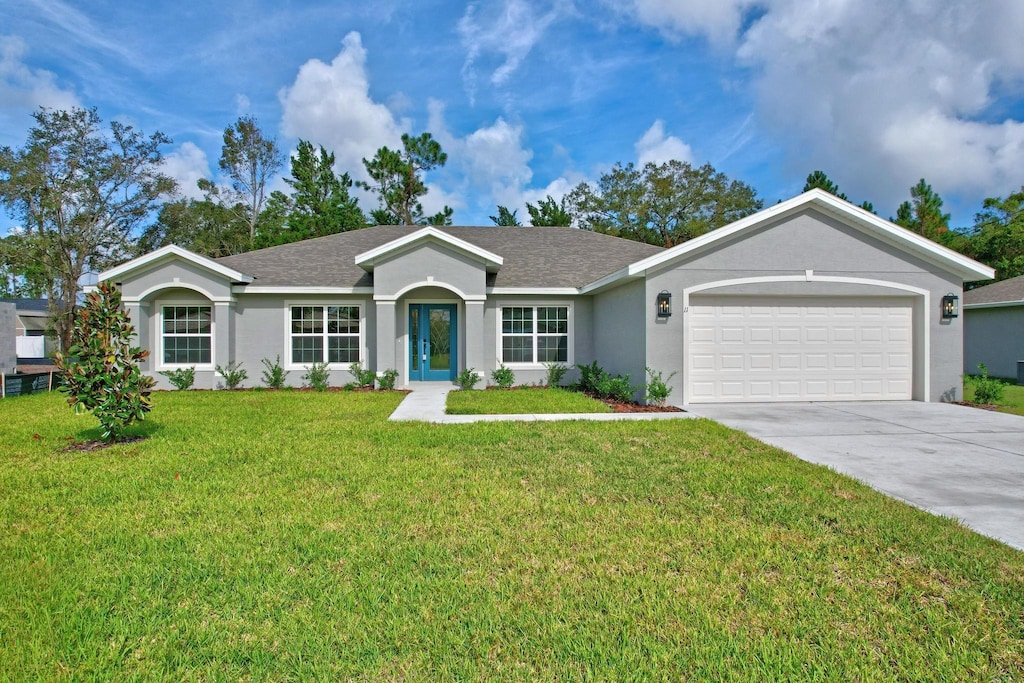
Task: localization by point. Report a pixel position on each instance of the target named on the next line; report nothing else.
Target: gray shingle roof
(533, 257)
(997, 292)
(36, 305)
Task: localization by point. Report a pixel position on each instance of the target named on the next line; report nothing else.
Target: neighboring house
(811, 299)
(33, 321)
(8, 322)
(994, 327)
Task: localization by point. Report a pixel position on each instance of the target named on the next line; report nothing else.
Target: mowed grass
(518, 401)
(297, 536)
(1013, 398)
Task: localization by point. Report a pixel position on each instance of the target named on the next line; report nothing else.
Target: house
(994, 328)
(8, 321)
(811, 299)
(33, 321)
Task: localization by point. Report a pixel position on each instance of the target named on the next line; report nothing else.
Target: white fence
(30, 347)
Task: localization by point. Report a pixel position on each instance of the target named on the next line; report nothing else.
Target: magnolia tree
(101, 369)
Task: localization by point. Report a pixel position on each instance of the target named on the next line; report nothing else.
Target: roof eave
(368, 259)
(169, 252)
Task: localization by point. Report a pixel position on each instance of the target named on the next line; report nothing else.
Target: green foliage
(250, 160)
(467, 379)
(987, 390)
(997, 237)
(818, 179)
(590, 377)
(386, 380)
(363, 378)
(663, 204)
(79, 193)
(923, 213)
(204, 226)
(101, 369)
(549, 213)
(233, 374)
(555, 373)
(503, 377)
(317, 376)
(275, 375)
(596, 381)
(658, 389)
(505, 217)
(529, 400)
(396, 178)
(181, 378)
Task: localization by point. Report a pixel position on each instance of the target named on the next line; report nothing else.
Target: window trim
(288, 305)
(535, 365)
(164, 303)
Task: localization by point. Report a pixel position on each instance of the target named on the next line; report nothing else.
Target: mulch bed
(983, 406)
(90, 446)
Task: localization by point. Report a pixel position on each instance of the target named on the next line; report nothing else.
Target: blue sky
(531, 97)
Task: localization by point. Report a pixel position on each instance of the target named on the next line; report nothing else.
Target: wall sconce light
(664, 304)
(949, 306)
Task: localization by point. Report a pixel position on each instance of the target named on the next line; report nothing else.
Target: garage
(792, 348)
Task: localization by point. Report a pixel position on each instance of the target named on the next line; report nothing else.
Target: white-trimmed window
(534, 334)
(187, 335)
(319, 333)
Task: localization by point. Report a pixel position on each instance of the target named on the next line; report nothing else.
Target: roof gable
(368, 259)
(171, 252)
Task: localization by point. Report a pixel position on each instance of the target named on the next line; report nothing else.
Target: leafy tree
(80, 194)
(923, 213)
(997, 237)
(101, 368)
(664, 204)
(20, 275)
(820, 180)
(250, 159)
(204, 226)
(320, 203)
(549, 213)
(506, 217)
(396, 177)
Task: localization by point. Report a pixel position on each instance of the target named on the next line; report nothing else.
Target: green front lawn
(522, 400)
(298, 535)
(1013, 399)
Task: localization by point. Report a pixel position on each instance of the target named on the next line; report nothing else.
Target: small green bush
(591, 378)
(233, 374)
(503, 377)
(182, 378)
(317, 376)
(386, 380)
(657, 387)
(618, 388)
(467, 379)
(363, 378)
(556, 372)
(274, 376)
(987, 390)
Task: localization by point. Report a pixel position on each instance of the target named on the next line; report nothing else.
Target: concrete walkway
(426, 403)
(947, 459)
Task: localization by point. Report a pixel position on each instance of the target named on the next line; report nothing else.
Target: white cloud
(330, 105)
(242, 104)
(187, 164)
(719, 20)
(656, 147)
(24, 89)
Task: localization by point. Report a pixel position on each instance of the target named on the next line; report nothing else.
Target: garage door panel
(825, 348)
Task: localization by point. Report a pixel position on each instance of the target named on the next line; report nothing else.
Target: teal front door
(432, 342)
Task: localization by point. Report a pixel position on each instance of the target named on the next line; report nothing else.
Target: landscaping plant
(317, 376)
(101, 369)
(556, 372)
(657, 387)
(233, 374)
(591, 377)
(386, 380)
(467, 379)
(275, 375)
(987, 390)
(182, 378)
(363, 378)
(503, 377)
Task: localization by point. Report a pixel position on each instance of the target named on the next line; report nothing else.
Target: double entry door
(432, 342)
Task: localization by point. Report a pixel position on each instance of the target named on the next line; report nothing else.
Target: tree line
(88, 197)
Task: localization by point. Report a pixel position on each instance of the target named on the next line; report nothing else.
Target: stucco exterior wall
(427, 263)
(811, 241)
(995, 337)
(622, 324)
(8, 348)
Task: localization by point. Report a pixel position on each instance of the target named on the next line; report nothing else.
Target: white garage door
(799, 349)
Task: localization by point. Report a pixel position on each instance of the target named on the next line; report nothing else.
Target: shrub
(591, 377)
(657, 387)
(182, 378)
(386, 380)
(363, 378)
(467, 379)
(503, 377)
(318, 376)
(987, 390)
(104, 376)
(233, 374)
(556, 372)
(274, 376)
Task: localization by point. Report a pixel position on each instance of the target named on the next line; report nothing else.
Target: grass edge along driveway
(296, 535)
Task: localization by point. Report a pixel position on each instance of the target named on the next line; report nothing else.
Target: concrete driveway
(951, 460)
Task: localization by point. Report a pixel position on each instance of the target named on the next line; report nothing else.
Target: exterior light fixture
(949, 306)
(664, 304)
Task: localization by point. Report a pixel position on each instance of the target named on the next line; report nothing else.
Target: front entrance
(432, 342)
